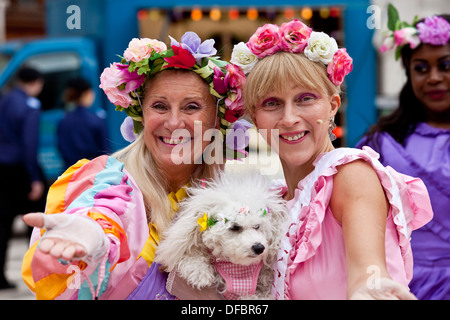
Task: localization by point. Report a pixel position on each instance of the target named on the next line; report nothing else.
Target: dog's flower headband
(295, 37)
(434, 30)
(207, 221)
(123, 83)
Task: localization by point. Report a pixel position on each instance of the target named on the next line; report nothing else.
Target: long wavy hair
(403, 120)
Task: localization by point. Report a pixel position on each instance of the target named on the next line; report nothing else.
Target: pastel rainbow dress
(102, 190)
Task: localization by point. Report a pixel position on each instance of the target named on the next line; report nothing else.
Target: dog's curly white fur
(242, 238)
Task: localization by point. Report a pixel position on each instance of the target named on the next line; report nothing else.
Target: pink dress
(311, 262)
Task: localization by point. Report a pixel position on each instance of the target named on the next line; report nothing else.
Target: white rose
(243, 57)
(321, 47)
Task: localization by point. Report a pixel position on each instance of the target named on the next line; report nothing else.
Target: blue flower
(192, 42)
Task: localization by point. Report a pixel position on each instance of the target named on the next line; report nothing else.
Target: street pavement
(18, 245)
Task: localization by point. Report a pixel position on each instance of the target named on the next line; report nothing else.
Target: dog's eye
(256, 227)
(235, 228)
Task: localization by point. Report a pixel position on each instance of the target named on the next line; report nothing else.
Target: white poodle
(227, 233)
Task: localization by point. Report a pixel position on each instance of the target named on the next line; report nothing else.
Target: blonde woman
(351, 218)
(104, 217)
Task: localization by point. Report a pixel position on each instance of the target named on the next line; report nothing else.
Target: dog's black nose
(258, 248)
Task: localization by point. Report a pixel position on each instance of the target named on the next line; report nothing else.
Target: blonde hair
(275, 72)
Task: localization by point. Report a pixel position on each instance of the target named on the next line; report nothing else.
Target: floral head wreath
(124, 82)
(434, 30)
(295, 37)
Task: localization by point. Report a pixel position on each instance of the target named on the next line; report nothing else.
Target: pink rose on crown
(294, 36)
(235, 80)
(405, 36)
(110, 79)
(341, 65)
(140, 49)
(265, 41)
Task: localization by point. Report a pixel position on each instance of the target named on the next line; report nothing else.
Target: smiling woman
(310, 93)
(175, 101)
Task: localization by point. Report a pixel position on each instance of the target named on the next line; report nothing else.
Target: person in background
(81, 133)
(21, 179)
(415, 140)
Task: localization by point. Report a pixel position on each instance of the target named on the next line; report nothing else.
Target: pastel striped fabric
(102, 190)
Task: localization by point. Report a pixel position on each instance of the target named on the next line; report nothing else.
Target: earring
(331, 127)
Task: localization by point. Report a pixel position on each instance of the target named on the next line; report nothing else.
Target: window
(57, 68)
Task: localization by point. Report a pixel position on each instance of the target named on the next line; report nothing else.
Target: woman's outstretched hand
(67, 236)
(385, 289)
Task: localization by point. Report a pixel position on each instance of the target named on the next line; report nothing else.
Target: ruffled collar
(425, 129)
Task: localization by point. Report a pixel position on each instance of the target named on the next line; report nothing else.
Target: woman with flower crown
(414, 139)
(104, 217)
(351, 217)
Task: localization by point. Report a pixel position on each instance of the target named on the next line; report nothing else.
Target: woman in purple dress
(415, 140)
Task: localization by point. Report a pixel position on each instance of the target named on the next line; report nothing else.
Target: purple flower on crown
(241, 137)
(434, 30)
(127, 130)
(192, 42)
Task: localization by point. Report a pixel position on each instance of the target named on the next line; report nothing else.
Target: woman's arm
(358, 202)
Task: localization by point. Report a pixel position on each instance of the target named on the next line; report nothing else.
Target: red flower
(232, 115)
(181, 58)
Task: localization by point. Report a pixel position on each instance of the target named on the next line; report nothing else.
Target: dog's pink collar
(240, 280)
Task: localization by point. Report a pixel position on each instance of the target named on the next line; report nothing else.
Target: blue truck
(85, 36)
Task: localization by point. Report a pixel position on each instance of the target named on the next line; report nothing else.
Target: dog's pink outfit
(311, 262)
(240, 280)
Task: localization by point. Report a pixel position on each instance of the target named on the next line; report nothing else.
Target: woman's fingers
(34, 219)
(60, 248)
(45, 245)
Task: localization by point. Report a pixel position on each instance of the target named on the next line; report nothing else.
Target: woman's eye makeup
(421, 67)
(158, 106)
(305, 97)
(271, 102)
(192, 106)
(444, 65)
